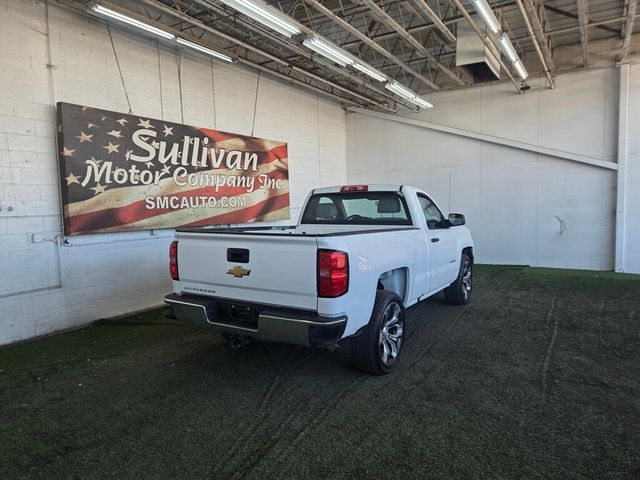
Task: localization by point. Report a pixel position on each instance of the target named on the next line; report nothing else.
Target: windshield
(357, 208)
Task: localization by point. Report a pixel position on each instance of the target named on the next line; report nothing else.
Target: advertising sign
(126, 172)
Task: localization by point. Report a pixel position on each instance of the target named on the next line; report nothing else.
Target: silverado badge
(238, 271)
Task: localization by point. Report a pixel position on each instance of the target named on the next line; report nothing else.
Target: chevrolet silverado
(358, 257)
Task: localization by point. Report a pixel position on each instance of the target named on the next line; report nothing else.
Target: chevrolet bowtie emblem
(238, 271)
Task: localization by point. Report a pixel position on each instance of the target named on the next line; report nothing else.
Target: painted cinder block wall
(52, 285)
(523, 207)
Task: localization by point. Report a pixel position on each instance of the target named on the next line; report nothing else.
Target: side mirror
(456, 219)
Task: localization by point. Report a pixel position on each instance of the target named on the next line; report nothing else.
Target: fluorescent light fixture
(507, 48)
(400, 90)
(522, 72)
(510, 52)
(132, 21)
(206, 50)
(483, 8)
(407, 94)
(329, 50)
(266, 15)
(421, 102)
(367, 70)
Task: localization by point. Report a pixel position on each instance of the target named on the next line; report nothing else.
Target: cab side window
(431, 213)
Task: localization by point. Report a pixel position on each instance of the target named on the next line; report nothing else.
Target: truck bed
(274, 265)
(319, 230)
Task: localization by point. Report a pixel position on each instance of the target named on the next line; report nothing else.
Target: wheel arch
(469, 251)
(395, 280)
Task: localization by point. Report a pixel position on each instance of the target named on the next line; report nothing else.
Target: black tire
(459, 292)
(374, 350)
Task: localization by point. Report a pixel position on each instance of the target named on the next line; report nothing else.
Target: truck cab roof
(360, 187)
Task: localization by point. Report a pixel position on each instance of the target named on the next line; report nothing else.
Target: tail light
(173, 260)
(355, 188)
(333, 273)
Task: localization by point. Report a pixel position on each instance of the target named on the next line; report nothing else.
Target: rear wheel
(459, 292)
(377, 349)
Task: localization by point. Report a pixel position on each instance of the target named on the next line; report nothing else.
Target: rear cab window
(357, 208)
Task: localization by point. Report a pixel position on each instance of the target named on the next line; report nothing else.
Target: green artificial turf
(539, 377)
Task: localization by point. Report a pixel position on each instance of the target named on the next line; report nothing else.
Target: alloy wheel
(466, 280)
(391, 333)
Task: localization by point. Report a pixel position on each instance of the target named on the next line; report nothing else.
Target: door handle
(435, 239)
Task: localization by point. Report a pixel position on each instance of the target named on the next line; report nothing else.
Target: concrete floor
(539, 377)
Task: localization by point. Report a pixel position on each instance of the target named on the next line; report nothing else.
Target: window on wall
(432, 213)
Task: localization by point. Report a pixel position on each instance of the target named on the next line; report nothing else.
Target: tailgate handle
(238, 255)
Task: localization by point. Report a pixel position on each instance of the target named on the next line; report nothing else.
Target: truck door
(443, 243)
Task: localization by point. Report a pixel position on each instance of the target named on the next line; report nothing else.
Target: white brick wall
(46, 286)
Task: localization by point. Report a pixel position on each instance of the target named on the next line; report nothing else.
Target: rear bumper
(261, 322)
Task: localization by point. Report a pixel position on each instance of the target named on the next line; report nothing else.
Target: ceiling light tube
(400, 90)
(519, 66)
(407, 94)
(206, 50)
(373, 73)
(132, 21)
(483, 8)
(421, 102)
(328, 50)
(267, 15)
(507, 48)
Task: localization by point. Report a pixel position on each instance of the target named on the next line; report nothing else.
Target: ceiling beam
(583, 20)
(541, 37)
(536, 44)
(302, 52)
(386, 19)
(564, 13)
(628, 28)
(425, 10)
(428, 26)
(541, 13)
(363, 38)
(306, 73)
(211, 7)
(356, 79)
(561, 31)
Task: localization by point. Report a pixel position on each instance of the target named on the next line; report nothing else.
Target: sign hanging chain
(213, 94)
(255, 105)
(160, 80)
(124, 87)
(180, 85)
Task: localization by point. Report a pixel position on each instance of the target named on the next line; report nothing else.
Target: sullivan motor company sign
(125, 172)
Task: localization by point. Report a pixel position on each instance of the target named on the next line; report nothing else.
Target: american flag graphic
(125, 172)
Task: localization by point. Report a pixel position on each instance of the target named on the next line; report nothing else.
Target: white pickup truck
(358, 257)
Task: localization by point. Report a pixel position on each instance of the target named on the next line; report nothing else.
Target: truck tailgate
(281, 269)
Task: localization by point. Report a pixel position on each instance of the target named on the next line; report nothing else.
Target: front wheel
(377, 349)
(459, 292)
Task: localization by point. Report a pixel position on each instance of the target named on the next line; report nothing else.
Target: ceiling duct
(482, 62)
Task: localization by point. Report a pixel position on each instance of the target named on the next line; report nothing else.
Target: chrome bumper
(270, 324)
